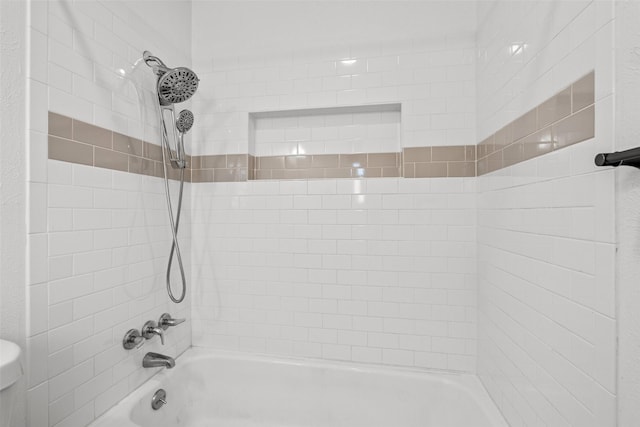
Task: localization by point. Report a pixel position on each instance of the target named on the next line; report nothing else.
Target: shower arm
(158, 66)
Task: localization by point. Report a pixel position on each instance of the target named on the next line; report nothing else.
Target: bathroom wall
(627, 214)
(546, 226)
(420, 54)
(373, 270)
(98, 236)
(13, 124)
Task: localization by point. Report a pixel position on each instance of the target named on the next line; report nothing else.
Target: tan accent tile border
(565, 119)
(436, 162)
(220, 168)
(74, 141)
(361, 165)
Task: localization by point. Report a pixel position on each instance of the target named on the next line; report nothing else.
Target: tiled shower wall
(433, 79)
(369, 270)
(375, 270)
(328, 131)
(627, 212)
(546, 297)
(98, 237)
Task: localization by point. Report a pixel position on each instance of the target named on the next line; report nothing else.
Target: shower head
(185, 121)
(175, 85)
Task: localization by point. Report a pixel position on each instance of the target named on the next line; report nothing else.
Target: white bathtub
(214, 389)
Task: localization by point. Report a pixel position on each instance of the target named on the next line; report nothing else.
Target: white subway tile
(382, 94)
(366, 354)
(351, 97)
(61, 408)
(307, 85)
(60, 362)
(91, 219)
(91, 389)
(365, 81)
(69, 334)
(79, 418)
(307, 349)
(37, 168)
(382, 63)
(336, 351)
(461, 363)
(335, 83)
(70, 242)
(38, 313)
(91, 304)
(59, 172)
(413, 342)
(38, 49)
(69, 197)
(60, 219)
(336, 202)
(60, 314)
(397, 357)
(37, 267)
(37, 351)
(351, 66)
(66, 382)
(64, 103)
(111, 396)
(68, 288)
(37, 406)
(323, 335)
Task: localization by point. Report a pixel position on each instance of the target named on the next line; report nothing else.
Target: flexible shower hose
(175, 246)
(174, 85)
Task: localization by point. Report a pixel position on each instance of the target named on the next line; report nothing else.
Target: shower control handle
(150, 329)
(132, 339)
(166, 320)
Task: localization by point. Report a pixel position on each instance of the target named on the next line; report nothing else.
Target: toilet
(10, 372)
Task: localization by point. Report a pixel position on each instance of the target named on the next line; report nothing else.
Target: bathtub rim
(469, 383)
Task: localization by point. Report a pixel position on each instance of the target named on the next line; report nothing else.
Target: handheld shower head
(183, 124)
(185, 121)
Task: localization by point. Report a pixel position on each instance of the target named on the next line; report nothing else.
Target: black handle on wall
(629, 157)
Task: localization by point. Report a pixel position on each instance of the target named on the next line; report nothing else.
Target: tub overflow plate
(159, 399)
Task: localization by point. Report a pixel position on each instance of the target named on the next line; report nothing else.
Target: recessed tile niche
(337, 142)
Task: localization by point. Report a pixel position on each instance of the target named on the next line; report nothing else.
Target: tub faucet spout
(156, 360)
